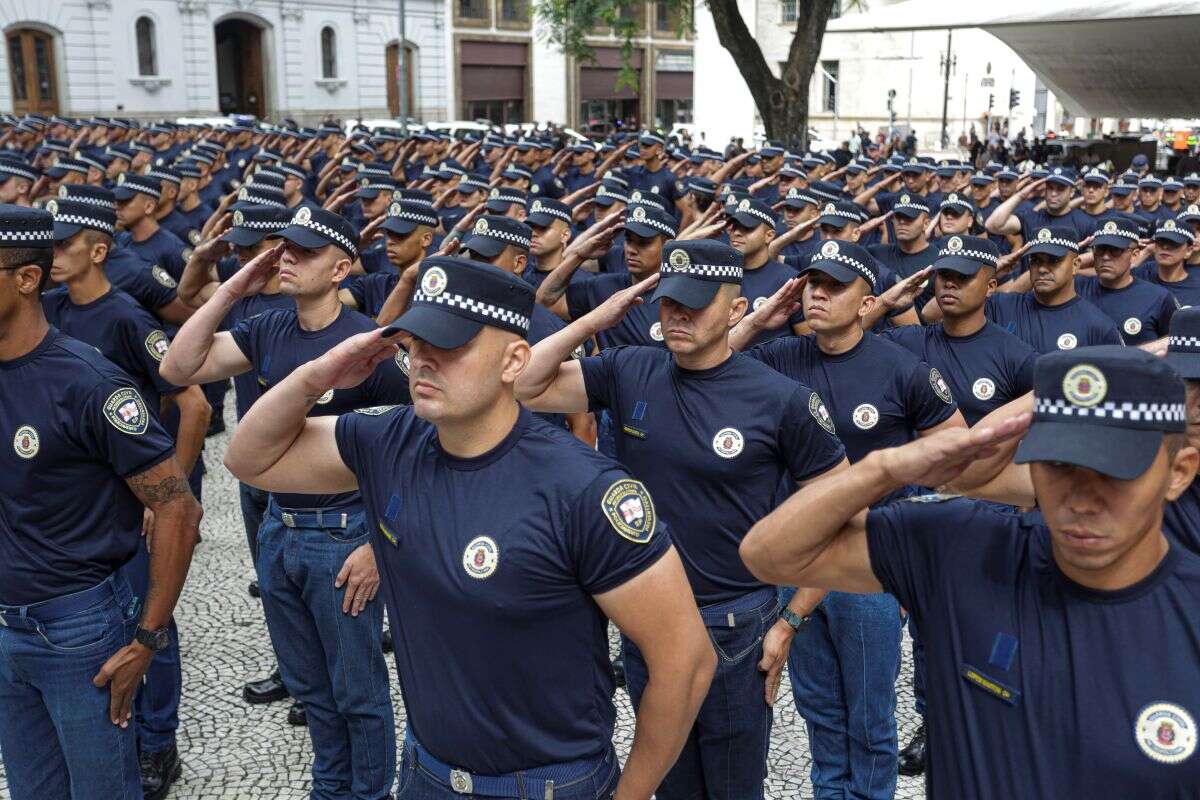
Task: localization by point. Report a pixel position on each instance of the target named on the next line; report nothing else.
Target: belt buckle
(288, 519)
(461, 781)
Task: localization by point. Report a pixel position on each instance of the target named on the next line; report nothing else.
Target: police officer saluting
(714, 435)
(316, 571)
(72, 648)
(1142, 310)
(498, 587)
(1027, 624)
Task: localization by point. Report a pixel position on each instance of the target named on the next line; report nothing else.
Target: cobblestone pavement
(234, 751)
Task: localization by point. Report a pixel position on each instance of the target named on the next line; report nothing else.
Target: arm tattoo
(553, 289)
(165, 490)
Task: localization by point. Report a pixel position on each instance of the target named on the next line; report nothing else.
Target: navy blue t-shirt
(489, 566)
(163, 248)
(276, 346)
(124, 332)
(535, 277)
(1032, 220)
(1141, 310)
(545, 183)
(1038, 686)
(906, 264)
(799, 254)
(149, 284)
(1075, 323)
(1186, 291)
(371, 291)
(713, 446)
(662, 182)
(985, 370)
(246, 388)
(77, 427)
(186, 225)
(639, 327)
(878, 393)
(757, 287)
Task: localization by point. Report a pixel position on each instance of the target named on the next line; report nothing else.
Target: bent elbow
(753, 553)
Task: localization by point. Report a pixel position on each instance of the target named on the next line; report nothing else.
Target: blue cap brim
(367, 194)
(959, 264)
(834, 221)
(401, 227)
(640, 229)
(691, 292)
(64, 231)
(1062, 180)
(746, 220)
(438, 325)
(540, 220)
(485, 246)
(124, 193)
(1172, 236)
(302, 236)
(606, 200)
(1186, 364)
(499, 206)
(834, 269)
(908, 212)
(1120, 242)
(244, 237)
(1050, 249)
(1122, 189)
(1121, 453)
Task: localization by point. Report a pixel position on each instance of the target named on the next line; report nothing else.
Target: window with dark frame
(328, 52)
(829, 82)
(514, 10)
(146, 52)
(473, 9)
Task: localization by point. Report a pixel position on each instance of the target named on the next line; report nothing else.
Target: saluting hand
(257, 272)
(360, 575)
(937, 459)
(614, 309)
(902, 293)
(353, 360)
(779, 307)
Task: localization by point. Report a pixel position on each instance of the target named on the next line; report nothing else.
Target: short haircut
(38, 257)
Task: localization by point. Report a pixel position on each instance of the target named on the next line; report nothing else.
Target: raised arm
(1003, 219)
(594, 243)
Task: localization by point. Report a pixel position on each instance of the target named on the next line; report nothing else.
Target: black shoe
(253, 589)
(159, 770)
(618, 668)
(269, 690)
(387, 641)
(297, 714)
(216, 425)
(912, 757)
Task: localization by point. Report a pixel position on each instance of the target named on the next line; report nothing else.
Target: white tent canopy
(1119, 58)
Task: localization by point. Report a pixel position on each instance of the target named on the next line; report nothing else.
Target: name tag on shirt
(389, 524)
(990, 685)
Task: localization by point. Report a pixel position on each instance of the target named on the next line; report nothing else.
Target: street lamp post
(949, 61)
(402, 72)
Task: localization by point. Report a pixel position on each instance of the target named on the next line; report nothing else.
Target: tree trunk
(782, 102)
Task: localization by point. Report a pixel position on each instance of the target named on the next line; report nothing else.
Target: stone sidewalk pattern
(234, 751)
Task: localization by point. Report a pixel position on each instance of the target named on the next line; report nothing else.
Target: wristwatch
(792, 618)
(155, 640)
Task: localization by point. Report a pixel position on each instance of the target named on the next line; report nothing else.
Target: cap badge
(793, 193)
(394, 210)
(1110, 226)
(679, 259)
(121, 179)
(904, 198)
(599, 192)
(481, 557)
(636, 196)
(1044, 235)
(536, 207)
(954, 244)
(303, 215)
(62, 192)
(434, 281)
(239, 218)
(829, 208)
(744, 205)
(829, 249)
(911, 161)
(365, 182)
(639, 213)
(1169, 225)
(243, 193)
(52, 206)
(1193, 209)
(1084, 385)
(481, 226)
(1058, 170)
(952, 198)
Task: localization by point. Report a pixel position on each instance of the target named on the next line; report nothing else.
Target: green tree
(782, 102)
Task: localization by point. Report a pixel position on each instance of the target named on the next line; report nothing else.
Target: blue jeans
(56, 738)
(329, 660)
(254, 508)
(918, 667)
(843, 666)
(725, 755)
(419, 783)
(156, 707)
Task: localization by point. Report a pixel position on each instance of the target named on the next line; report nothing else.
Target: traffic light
(1014, 98)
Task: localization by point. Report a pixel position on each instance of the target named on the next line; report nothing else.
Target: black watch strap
(155, 640)
(792, 618)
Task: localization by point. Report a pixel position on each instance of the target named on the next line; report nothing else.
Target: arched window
(146, 53)
(328, 53)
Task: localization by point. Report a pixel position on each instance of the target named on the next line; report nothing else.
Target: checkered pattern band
(95, 201)
(79, 168)
(383, 187)
(17, 169)
(420, 219)
(1124, 234)
(295, 172)
(504, 236)
(146, 190)
(45, 235)
(1111, 410)
(164, 176)
(328, 232)
(91, 162)
(1184, 342)
(605, 192)
(524, 173)
(852, 263)
(704, 270)
(1067, 243)
(374, 172)
(653, 223)
(505, 198)
(259, 201)
(473, 184)
(1183, 230)
(473, 306)
(62, 148)
(838, 212)
(754, 212)
(87, 222)
(922, 209)
(264, 224)
(974, 255)
(554, 212)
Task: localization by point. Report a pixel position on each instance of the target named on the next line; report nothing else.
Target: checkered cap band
(604, 191)
(365, 171)
(259, 200)
(541, 208)
(1183, 230)
(87, 222)
(653, 223)
(91, 162)
(43, 235)
(1054, 408)
(919, 207)
(489, 312)
(524, 173)
(164, 176)
(383, 187)
(974, 255)
(20, 170)
(328, 232)
(295, 172)
(849, 261)
(1071, 245)
(271, 225)
(69, 166)
(507, 198)
(703, 270)
(143, 189)
(55, 147)
(504, 236)
(474, 184)
(845, 213)
(1122, 232)
(1184, 343)
(754, 212)
(412, 216)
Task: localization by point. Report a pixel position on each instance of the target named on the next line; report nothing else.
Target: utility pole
(948, 63)
(402, 73)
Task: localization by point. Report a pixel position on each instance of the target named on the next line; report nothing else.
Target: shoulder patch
(630, 511)
(163, 277)
(940, 387)
(374, 411)
(820, 413)
(126, 411)
(157, 344)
